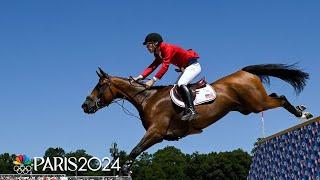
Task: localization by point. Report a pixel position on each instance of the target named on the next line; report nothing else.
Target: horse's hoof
(306, 116)
(301, 108)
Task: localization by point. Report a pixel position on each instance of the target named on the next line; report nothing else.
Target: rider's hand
(150, 83)
(138, 78)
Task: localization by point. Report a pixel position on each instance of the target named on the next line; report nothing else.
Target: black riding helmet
(153, 37)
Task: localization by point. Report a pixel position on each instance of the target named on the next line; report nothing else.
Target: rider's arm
(168, 54)
(151, 68)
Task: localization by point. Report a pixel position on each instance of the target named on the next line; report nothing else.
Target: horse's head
(102, 94)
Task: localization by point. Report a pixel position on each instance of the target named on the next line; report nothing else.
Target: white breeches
(189, 74)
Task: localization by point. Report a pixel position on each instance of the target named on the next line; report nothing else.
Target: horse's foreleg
(151, 137)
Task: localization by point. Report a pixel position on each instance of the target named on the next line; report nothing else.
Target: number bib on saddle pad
(201, 95)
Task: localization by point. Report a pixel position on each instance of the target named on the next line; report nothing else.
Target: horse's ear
(100, 76)
(103, 73)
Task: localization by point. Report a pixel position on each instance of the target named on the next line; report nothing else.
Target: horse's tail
(289, 73)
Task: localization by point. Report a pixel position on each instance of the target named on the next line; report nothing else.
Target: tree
(6, 163)
(224, 165)
(167, 163)
(141, 168)
(196, 165)
(54, 152)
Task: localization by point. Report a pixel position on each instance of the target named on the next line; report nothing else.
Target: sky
(49, 51)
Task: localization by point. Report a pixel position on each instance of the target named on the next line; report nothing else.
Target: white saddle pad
(203, 95)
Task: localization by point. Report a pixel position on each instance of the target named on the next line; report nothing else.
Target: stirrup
(189, 115)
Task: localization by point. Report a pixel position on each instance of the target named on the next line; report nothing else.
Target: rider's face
(151, 47)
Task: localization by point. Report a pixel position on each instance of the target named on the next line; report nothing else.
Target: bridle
(115, 100)
(97, 99)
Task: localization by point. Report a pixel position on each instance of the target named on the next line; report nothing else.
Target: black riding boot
(190, 113)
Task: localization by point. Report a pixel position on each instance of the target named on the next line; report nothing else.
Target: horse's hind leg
(288, 106)
(274, 101)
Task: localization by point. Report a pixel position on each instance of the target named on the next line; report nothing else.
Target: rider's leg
(190, 111)
(187, 76)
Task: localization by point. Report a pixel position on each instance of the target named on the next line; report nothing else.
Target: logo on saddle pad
(201, 92)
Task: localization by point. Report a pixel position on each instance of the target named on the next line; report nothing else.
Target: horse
(241, 91)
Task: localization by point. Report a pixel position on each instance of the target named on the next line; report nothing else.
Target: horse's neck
(136, 94)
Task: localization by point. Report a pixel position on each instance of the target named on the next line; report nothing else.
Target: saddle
(202, 92)
(200, 84)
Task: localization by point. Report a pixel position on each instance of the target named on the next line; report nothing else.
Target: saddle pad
(203, 95)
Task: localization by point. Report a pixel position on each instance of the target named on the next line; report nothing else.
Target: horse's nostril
(84, 106)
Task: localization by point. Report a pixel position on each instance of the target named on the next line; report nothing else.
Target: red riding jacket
(170, 54)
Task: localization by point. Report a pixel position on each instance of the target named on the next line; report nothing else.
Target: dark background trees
(171, 163)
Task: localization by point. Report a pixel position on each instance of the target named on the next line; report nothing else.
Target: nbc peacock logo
(22, 165)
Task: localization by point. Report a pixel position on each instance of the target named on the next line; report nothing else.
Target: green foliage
(6, 165)
(171, 163)
(54, 152)
(167, 163)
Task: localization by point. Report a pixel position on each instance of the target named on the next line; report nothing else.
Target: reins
(125, 110)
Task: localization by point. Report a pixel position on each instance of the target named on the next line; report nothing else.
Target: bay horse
(241, 91)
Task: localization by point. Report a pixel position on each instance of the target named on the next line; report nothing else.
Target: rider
(185, 60)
